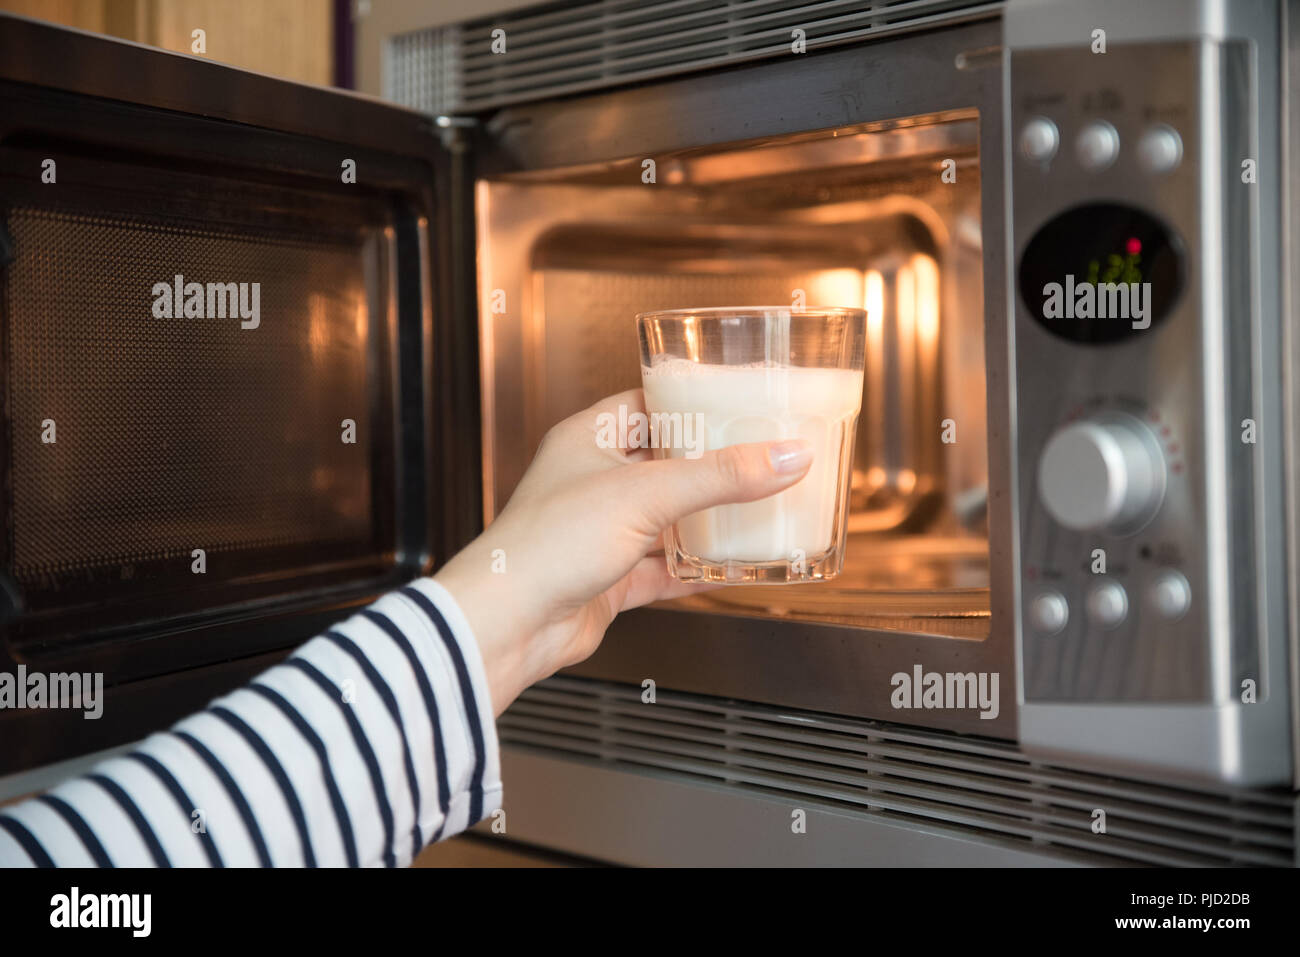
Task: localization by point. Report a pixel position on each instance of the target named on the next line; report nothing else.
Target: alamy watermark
(215, 300)
(59, 689)
(634, 429)
(1110, 289)
(75, 909)
(946, 691)
(1089, 299)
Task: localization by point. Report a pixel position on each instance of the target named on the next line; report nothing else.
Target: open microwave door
(225, 393)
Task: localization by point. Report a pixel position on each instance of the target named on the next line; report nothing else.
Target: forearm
(367, 743)
(501, 610)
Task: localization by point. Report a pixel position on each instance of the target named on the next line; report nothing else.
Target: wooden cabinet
(287, 38)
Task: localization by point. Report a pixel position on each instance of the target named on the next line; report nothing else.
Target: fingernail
(788, 457)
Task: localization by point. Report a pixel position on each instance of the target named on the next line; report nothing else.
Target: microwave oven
(1065, 630)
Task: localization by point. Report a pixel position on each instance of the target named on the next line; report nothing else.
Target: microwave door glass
(198, 383)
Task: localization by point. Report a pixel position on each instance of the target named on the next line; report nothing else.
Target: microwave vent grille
(422, 70)
(978, 786)
(573, 47)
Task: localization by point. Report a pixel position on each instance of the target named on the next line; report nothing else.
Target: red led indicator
(1133, 246)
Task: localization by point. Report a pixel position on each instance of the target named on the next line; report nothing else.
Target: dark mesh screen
(182, 433)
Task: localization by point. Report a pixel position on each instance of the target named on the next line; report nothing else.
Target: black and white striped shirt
(369, 742)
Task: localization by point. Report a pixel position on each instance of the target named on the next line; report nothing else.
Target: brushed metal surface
(457, 64)
(1156, 693)
(566, 735)
(1290, 354)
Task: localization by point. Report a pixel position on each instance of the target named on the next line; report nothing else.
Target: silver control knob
(1039, 140)
(1096, 146)
(1107, 604)
(1048, 612)
(1106, 473)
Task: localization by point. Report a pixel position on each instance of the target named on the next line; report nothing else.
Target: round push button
(1107, 604)
(1097, 146)
(1039, 140)
(1160, 149)
(1170, 595)
(1048, 612)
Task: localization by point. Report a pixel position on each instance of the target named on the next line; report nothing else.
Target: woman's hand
(579, 541)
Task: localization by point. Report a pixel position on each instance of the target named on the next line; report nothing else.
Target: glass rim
(712, 312)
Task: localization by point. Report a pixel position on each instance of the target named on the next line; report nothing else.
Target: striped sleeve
(372, 740)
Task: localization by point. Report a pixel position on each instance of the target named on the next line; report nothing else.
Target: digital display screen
(1101, 273)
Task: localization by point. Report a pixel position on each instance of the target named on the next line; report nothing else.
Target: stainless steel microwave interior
(751, 205)
(854, 215)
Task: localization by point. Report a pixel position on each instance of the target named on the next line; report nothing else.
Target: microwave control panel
(1135, 332)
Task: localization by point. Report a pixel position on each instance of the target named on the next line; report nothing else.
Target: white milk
(758, 404)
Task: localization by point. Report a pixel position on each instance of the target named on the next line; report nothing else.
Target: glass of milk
(724, 376)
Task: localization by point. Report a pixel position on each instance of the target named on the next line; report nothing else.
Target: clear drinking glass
(724, 376)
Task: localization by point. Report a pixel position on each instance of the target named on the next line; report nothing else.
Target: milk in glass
(758, 403)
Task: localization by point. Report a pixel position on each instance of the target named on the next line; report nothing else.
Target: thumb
(671, 489)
